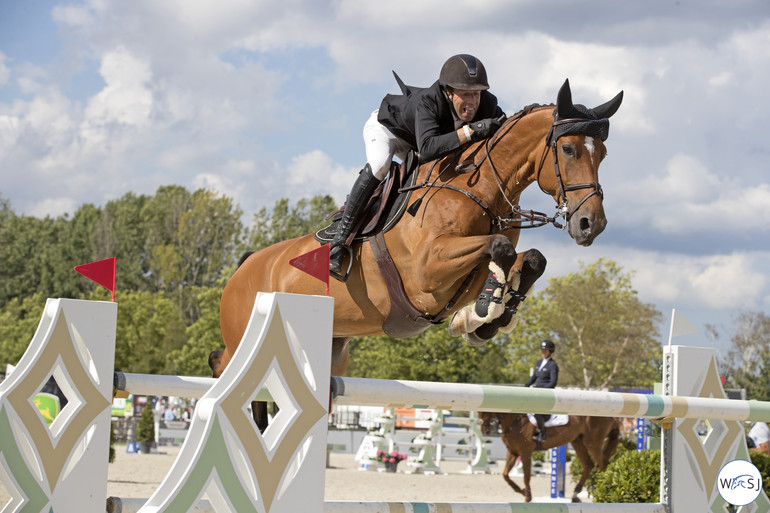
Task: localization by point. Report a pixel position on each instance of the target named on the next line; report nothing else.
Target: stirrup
(344, 277)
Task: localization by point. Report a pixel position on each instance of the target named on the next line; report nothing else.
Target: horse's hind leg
(588, 465)
(530, 266)
(510, 461)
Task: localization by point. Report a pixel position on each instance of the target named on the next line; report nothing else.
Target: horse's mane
(529, 108)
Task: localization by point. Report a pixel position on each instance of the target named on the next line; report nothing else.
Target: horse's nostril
(585, 224)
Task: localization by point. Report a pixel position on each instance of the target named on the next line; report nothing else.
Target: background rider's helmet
(464, 72)
(547, 344)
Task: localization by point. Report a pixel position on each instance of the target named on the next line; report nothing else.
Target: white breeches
(381, 145)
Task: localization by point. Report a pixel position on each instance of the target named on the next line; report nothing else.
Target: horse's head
(576, 140)
(489, 422)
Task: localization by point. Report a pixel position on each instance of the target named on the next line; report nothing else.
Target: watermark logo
(739, 482)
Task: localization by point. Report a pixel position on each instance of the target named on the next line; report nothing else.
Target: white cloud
(315, 171)
(5, 73)
(126, 99)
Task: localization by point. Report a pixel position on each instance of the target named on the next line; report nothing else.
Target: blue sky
(266, 100)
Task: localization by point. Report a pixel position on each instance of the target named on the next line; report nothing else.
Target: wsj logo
(739, 482)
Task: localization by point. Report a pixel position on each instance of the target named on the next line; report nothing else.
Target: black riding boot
(540, 435)
(359, 196)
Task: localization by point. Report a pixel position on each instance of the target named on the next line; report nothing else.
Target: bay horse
(596, 437)
(468, 218)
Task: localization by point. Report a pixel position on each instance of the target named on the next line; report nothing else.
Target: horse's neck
(509, 161)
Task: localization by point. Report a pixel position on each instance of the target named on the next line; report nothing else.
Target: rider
(546, 375)
(434, 121)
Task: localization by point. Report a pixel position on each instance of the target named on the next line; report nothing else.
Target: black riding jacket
(547, 377)
(423, 117)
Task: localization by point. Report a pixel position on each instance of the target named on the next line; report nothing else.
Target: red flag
(315, 263)
(102, 272)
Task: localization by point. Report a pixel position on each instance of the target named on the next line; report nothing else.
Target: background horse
(595, 437)
(467, 220)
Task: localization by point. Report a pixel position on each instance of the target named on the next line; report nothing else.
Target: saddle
(385, 207)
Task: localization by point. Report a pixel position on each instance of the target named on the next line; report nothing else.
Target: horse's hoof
(474, 339)
(486, 332)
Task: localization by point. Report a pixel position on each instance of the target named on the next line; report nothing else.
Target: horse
(467, 219)
(596, 437)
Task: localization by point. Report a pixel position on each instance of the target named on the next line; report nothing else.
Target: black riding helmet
(547, 344)
(464, 72)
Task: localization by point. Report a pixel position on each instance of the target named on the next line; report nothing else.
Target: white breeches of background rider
(381, 145)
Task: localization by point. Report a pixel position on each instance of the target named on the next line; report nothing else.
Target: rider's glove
(485, 128)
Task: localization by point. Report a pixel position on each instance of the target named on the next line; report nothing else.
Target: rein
(519, 218)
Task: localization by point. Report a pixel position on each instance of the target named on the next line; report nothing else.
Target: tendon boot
(490, 301)
(357, 200)
(540, 435)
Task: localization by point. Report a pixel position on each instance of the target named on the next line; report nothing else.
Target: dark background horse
(594, 440)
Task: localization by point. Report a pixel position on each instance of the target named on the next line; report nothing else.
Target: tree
(149, 328)
(284, 223)
(749, 354)
(204, 336)
(604, 335)
(430, 356)
(19, 319)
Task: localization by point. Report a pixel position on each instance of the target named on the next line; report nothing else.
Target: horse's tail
(611, 443)
(244, 257)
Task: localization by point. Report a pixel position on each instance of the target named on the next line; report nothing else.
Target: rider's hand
(484, 128)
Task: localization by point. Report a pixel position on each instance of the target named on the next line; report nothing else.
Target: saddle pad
(555, 420)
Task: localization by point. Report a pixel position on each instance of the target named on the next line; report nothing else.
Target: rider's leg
(540, 435)
(359, 196)
(380, 145)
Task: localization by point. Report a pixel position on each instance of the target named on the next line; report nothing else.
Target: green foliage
(576, 466)
(749, 356)
(150, 326)
(762, 462)
(145, 428)
(633, 477)
(204, 336)
(18, 321)
(431, 356)
(285, 223)
(605, 336)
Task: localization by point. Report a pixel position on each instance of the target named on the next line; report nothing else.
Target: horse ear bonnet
(592, 122)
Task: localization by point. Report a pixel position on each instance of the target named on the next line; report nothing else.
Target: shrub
(145, 430)
(632, 477)
(576, 466)
(762, 462)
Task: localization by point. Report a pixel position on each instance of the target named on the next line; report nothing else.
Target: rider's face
(465, 103)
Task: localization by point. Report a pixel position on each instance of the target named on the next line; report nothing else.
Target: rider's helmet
(464, 72)
(547, 344)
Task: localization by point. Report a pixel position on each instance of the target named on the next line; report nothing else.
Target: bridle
(519, 218)
(550, 140)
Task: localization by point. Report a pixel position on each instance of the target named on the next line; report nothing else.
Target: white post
(63, 467)
(692, 460)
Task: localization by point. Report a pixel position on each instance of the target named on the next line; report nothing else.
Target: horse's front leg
(530, 265)
(491, 301)
(510, 462)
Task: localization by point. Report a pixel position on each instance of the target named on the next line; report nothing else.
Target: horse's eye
(568, 150)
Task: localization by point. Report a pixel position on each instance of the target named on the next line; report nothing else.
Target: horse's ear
(606, 110)
(564, 105)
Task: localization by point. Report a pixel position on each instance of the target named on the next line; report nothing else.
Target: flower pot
(391, 466)
(145, 447)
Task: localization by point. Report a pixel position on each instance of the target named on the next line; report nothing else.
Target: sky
(262, 100)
